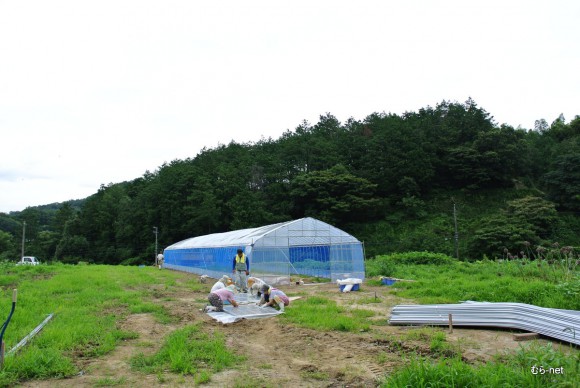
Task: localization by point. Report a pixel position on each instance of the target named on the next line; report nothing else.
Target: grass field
(127, 326)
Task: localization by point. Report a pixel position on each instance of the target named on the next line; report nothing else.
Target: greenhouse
(304, 247)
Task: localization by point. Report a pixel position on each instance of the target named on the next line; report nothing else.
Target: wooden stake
(526, 336)
(450, 323)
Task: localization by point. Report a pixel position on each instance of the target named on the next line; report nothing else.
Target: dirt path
(279, 354)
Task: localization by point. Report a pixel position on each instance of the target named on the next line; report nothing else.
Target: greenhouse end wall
(324, 261)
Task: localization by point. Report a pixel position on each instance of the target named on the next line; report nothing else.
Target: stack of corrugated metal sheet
(555, 323)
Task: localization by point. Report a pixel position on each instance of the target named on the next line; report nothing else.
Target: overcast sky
(94, 92)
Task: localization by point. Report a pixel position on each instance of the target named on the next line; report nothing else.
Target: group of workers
(224, 289)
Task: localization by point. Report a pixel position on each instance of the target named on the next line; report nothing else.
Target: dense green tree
(541, 125)
(45, 244)
(72, 247)
(395, 149)
(65, 213)
(410, 199)
(524, 221)
(334, 195)
(563, 183)
(10, 224)
(503, 154)
(540, 214)
(7, 246)
(467, 167)
(99, 222)
(499, 234)
(204, 209)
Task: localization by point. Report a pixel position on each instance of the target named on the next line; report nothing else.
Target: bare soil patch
(278, 353)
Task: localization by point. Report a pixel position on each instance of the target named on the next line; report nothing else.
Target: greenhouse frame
(303, 247)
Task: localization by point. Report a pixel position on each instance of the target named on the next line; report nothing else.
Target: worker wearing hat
(273, 297)
(216, 299)
(241, 269)
(222, 283)
(255, 286)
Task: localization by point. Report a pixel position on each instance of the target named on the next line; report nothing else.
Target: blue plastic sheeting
(213, 262)
(332, 262)
(303, 247)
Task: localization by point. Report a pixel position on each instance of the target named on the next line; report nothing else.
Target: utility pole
(456, 233)
(155, 231)
(23, 238)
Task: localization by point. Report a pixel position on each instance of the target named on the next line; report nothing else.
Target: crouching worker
(273, 297)
(222, 283)
(255, 285)
(217, 297)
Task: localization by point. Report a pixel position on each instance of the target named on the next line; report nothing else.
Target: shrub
(386, 265)
(380, 266)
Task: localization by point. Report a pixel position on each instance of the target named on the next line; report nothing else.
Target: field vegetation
(87, 302)
(91, 302)
(544, 282)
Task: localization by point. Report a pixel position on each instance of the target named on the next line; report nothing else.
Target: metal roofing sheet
(560, 324)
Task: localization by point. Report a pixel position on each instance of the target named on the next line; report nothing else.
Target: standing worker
(241, 269)
(160, 259)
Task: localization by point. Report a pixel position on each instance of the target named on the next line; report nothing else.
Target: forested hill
(391, 180)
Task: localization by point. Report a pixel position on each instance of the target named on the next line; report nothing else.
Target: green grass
(87, 301)
(189, 351)
(368, 300)
(110, 382)
(249, 381)
(488, 281)
(423, 333)
(506, 371)
(315, 375)
(522, 281)
(323, 314)
(158, 311)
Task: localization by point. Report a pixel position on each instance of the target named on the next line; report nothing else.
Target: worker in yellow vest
(241, 270)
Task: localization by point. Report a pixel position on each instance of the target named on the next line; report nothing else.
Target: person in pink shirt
(217, 297)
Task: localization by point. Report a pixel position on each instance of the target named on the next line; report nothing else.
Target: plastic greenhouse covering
(301, 247)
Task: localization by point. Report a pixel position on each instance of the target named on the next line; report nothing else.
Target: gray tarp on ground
(247, 310)
(244, 311)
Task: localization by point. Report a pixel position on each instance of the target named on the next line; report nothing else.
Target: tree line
(388, 179)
